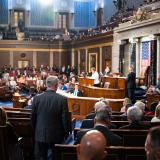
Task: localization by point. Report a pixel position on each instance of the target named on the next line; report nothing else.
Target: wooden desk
(18, 102)
(97, 92)
(85, 81)
(152, 98)
(115, 82)
(81, 106)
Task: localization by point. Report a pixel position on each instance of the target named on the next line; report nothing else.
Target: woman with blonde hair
(126, 102)
(156, 118)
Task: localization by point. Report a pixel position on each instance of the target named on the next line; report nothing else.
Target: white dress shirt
(95, 76)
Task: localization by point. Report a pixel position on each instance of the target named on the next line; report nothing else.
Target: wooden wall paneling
(56, 58)
(43, 58)
(82, 60)
(66, 58)
(94, 50)
(106, 57)
(4, 58)
(76, 58)
(81, 106)
(22, 56)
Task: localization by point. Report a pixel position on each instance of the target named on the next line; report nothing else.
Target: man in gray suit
(49, 119)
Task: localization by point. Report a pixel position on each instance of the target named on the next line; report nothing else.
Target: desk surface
(68, 95)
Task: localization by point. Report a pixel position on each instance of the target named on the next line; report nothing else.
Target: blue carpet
(6, 104)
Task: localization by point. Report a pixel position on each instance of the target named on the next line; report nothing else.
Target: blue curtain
(3, 11)
(41, 15)
(84, 16)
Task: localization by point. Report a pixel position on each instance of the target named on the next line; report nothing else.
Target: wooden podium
(18, 102)
(115, 82)
(85, 81)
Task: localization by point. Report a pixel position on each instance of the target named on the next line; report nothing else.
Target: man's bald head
(92, 146)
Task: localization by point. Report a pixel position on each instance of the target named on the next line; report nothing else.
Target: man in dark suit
(134, 116)
(102, 121)
(131, 84)
(49, 119)
(76, 91)
(92, 146)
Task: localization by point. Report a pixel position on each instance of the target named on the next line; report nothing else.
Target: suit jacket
(136, 125)
(131, 80)
(79, 93)
(111, 138)
(49, 117)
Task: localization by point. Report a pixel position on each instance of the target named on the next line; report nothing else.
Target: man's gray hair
(99, 106)
(103, 116)
(134, 113)
(140, 105)
(51, 81)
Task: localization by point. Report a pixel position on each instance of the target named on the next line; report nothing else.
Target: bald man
(92, 146)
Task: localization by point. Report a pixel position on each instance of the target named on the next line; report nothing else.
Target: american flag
(145, 60)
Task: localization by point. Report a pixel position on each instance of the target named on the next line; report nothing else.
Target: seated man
(152, 145)
(100, 105)
(13, 84)
(76, 91)
(134, 116)
(102, 123)
(92, 146)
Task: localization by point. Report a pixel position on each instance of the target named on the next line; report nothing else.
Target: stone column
(138, 49)
(73, 57)
(51, 59)
(158, 57)
(60, 57)
(86, 52)
(34, 58)
(78, 61)
(115, 54)
(100, 61)
(11, 58)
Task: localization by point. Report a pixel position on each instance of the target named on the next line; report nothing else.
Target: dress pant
(97, 85)
(131, 94)
(44, 151)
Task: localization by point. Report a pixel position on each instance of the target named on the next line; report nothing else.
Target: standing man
(95, 76)
(49, 119)
(131, 84)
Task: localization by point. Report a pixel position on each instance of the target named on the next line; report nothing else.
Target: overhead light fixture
(45, 2)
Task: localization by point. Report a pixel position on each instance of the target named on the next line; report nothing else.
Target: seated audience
(102, 123)
(97, 107)
(152, 144)
(106, 71)
(152, 109)
(92, 146)
(63, 86)
(156, 118)
(77, 92)
(12, 84)
(151, 90)
(126, 102)
(141, 106)
(134, 116)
